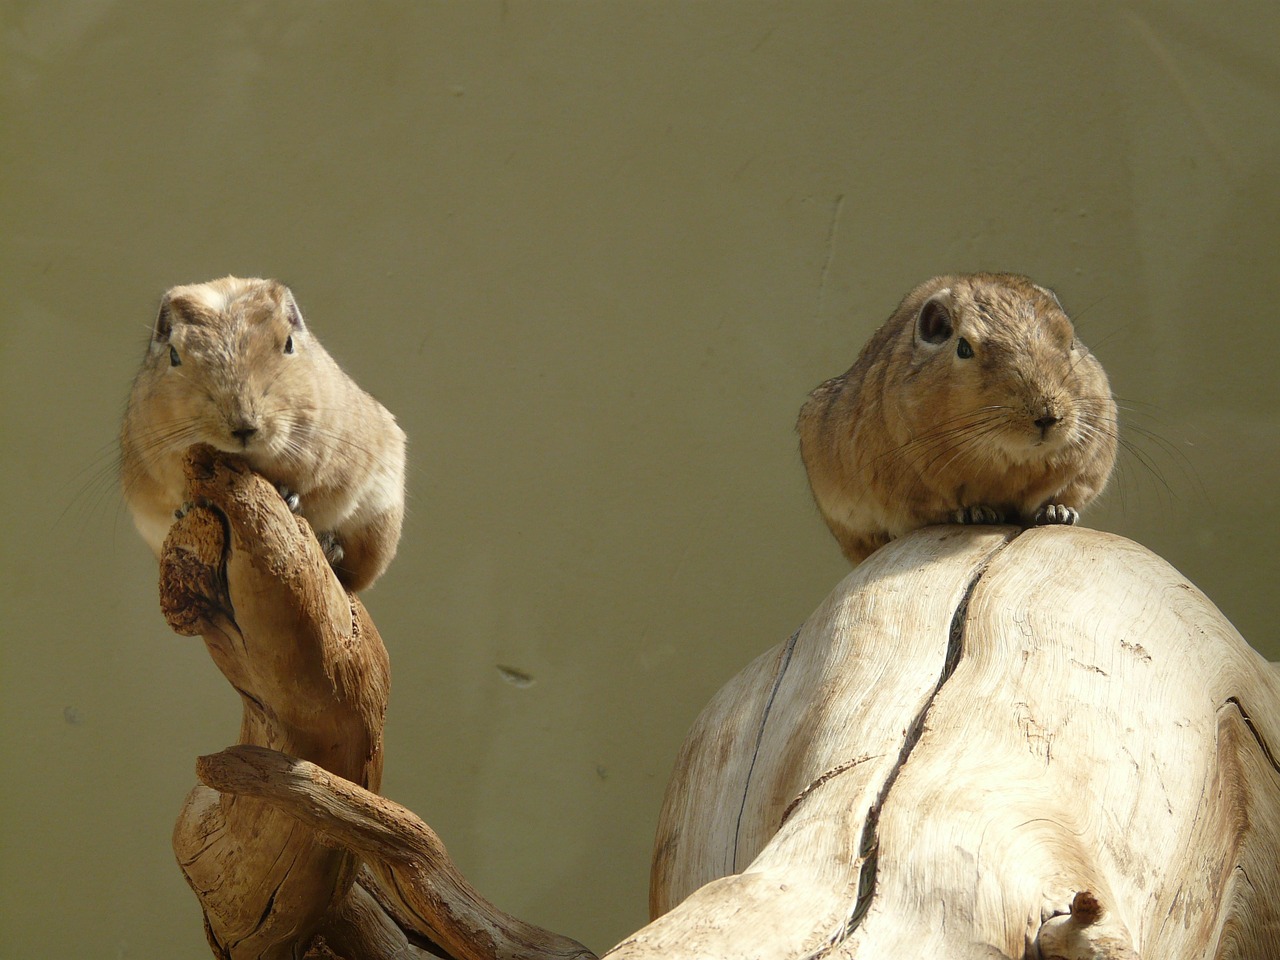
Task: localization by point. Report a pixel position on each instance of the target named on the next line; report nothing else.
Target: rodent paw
(333, 551)
(1056, 513)
(291, 499)
(978, 515)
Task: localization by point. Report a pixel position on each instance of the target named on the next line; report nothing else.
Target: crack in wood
(819, 781)
(1154, 822)
(1255, 732)
(764, 722)
(870, 845)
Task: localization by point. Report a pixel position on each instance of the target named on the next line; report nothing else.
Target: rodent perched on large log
(974, 403)
(231, 363)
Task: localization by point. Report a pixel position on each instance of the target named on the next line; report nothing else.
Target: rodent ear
(933, 325)
(1052, 296)
(292, 312)
(164, 322)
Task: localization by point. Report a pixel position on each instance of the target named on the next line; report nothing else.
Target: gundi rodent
(232, 364)
(975, 402)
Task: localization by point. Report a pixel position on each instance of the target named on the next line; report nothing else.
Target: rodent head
(231, 364)
(995, 358)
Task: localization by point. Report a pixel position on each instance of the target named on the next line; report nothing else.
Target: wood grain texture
(985, 743)
(980, 742)
(773, 744)
(408, 869)
(286, 843)
(312, 675)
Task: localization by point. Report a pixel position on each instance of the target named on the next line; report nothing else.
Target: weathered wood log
(983, 744)
(243, 572)
(410, 874)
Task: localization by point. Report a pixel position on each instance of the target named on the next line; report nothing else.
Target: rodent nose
(1046, 421)
(244, 434)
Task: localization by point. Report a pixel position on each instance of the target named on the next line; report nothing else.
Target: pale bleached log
(983, 744)
(766, 747)
(969, 740)
(312, 674)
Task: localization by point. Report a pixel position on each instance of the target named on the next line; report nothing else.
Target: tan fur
(914, 435)
(317, 433)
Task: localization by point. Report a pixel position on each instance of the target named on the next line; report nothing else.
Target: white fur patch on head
(213, 296)
(217, 295)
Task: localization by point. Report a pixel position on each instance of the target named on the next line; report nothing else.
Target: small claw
(291, 499)
(333, 551)
(978, 514)
(189, 505)
(1056, 513)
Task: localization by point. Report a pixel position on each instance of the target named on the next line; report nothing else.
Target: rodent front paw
(978, 514)
(333, 551)
(291, 499)
(1056, 513)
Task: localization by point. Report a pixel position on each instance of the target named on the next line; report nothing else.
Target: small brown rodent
(232, 364)
(974, 403)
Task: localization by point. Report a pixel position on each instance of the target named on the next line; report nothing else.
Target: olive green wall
(593, 255)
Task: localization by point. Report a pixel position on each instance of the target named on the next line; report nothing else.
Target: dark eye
(174, 359)
(288, 344)
(963, 350)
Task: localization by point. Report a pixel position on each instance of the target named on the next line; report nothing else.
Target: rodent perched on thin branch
(231, 363)
(974, 403)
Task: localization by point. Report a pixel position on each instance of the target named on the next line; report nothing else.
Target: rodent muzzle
(242, 423)
(1047, 421)
(244, 434)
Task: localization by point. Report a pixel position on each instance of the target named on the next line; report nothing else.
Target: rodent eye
(174, 359)
(963, 350)
(288, 344)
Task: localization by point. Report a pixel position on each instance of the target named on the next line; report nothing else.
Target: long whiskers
(945, 437)
(304, 429)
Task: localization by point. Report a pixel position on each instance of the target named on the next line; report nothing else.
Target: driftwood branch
(1042, 745)
(413, 875)
(274, 841)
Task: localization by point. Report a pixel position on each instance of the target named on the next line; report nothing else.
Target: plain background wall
(593, 255)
